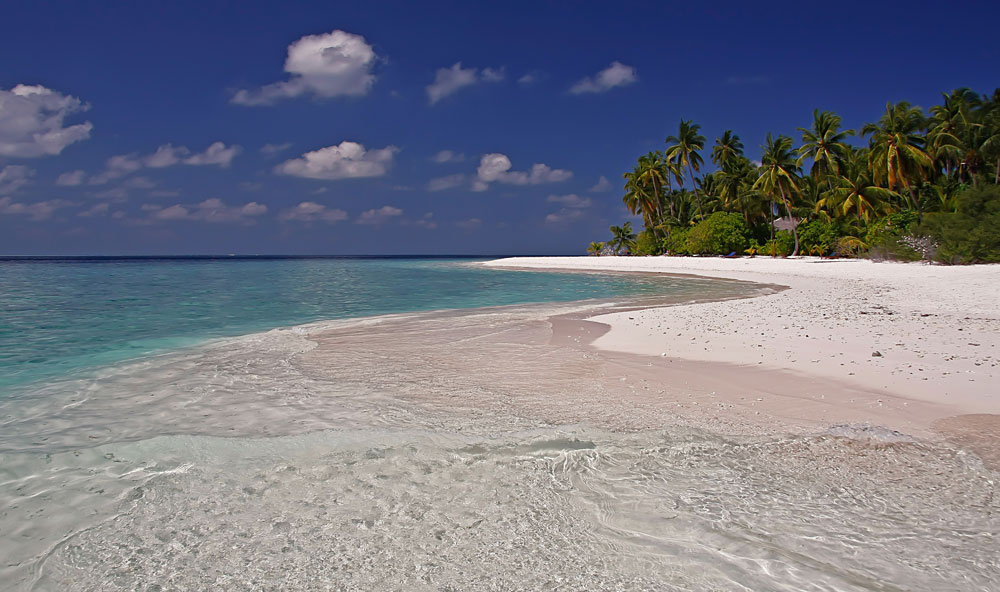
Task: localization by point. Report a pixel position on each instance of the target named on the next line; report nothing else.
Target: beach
(581, 443)
(912, 346)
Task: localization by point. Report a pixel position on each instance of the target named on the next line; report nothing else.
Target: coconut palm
(779, 175)
(684, 149)
(652, 173)
(824, 144)
(855, 191)
(950, 123)
(595, 248)
(622, 237)
(897, 156)
(727, 147)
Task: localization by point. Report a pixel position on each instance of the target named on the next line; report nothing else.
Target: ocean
(417, 424)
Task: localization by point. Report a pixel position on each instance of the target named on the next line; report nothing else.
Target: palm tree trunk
(791, 220)
(997, 180)
(694, 186)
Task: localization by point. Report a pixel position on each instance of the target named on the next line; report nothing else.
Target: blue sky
(416, 128)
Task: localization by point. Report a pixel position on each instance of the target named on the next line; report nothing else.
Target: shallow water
(457, 451)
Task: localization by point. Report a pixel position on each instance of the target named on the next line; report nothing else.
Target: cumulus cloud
(617, 74)
(211, 210)
(530, 78)
(14, 177)
(449, 182)
(218, 153)
(347, 160)
(495, 167)
(165, 156)
(571, 201)
(427, 221)
(117, 167)
(379, 216)
(310, 211)
(32, 121)
(450, 80)
(328, 65)
(271, 149)
(37, 211)
(602, 185)
(72, 178)
(95, 210)
(448, 156)
(564, 215)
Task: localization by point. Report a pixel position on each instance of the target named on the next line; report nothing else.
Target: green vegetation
(920, 186)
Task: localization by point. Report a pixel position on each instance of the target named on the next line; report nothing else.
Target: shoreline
(911, 345)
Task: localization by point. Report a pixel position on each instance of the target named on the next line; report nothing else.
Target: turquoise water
(59, 317)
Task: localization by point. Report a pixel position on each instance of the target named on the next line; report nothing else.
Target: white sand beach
(925, 336)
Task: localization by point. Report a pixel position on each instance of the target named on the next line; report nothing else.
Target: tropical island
(921, 186)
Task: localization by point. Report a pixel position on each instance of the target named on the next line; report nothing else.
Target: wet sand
(908, 346)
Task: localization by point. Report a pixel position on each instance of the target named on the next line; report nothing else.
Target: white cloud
(496, 167)
(345, 161)
(529, 78)
(493, 74)
(271, 149)
(72, 178)
(450, 80)
(427, 221)
(310, 211)
(328, 65)
(617, 74)
(31, 121)
(379, 216)
(571, 201)
(564, 215)
(602, 185)
(212, 210)
(100, 209)
(14, 177)
(448, 156)
(442, 183)
(117, 167)
(469, 224)
(165, 156)
(218, 153)
(35, 211)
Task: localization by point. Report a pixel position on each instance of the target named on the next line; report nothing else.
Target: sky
(339, 128)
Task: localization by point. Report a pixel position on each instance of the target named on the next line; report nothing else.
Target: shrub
(646, 244)
(719, 234)
(817, 237)
(972, 233)
(781, 245)
(676, 243)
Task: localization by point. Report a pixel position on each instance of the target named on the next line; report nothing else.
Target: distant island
(926, 187)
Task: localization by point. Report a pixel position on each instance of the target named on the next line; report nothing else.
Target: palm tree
(854, 190)
(652, 172)
(727, 147)
(684, 150)
(595, 248)
(779, 176)
(897, 154)
(824, 144)
(950, 122)
(622, 237)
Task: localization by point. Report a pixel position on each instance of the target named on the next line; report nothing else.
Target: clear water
(62, 316)
(429, 451)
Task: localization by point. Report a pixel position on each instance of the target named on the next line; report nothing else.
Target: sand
(918, 342)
